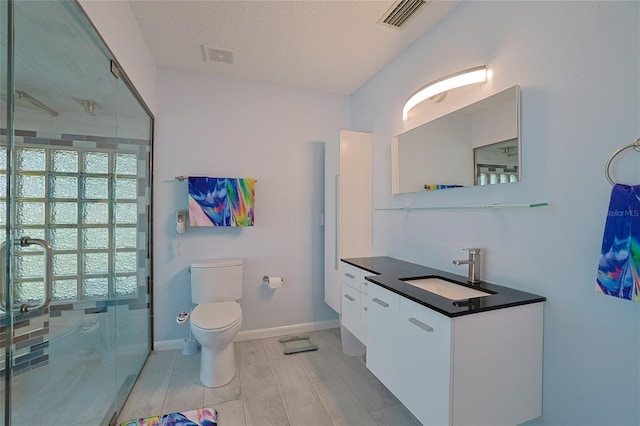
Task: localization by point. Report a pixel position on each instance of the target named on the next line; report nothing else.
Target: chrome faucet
(474, 264)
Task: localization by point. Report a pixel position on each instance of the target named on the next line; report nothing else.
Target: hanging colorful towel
(618, 269)
(221, 201)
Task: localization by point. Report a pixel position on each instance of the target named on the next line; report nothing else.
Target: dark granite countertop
(391, 271)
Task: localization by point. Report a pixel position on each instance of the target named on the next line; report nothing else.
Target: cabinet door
(382, 335)
(356, 194)
(348, 206)
(351, 310)
(363, 308)
(425, 339)
(363, 319)
(332, 296)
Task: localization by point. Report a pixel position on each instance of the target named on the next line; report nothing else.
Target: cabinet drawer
(364, 284)
(424, 318)
(352, 276)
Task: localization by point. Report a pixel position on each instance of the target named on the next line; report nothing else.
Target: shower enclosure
(75, 203)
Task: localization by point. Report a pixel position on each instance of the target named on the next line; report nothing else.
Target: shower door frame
(9, 227)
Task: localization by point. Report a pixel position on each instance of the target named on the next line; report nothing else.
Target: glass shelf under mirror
(469, 207)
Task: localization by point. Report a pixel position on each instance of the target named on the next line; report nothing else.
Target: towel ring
(635, 145)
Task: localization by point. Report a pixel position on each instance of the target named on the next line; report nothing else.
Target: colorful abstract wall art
(619, 266)
(221, 201)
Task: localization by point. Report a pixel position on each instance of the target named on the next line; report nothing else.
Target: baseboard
(286, 329)
(263, 333)
(167, 345)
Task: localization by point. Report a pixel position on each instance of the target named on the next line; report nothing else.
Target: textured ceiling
(334, 46)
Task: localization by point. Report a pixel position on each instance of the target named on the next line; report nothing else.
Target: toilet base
(217, 367)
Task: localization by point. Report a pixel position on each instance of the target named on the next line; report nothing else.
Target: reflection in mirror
(476, 145)
(496, 163)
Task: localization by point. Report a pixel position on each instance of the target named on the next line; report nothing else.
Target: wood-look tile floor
(324, 387)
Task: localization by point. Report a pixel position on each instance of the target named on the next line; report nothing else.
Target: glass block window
(492, 175)
(85, 203)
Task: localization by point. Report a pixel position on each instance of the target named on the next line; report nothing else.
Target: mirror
(475, 145)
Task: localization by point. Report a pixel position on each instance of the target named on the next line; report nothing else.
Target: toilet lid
(211, 316)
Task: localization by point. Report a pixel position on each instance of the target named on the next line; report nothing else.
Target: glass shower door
(74, 176)
(131, 240)
(62, 363)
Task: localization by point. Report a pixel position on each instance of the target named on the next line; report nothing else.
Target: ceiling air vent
(216, 54)
(401, 12)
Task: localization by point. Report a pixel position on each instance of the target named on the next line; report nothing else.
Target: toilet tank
(216, 280)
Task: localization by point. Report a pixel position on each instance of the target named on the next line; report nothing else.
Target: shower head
(89, 105)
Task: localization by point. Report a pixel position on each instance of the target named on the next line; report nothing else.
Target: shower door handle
(48, 274)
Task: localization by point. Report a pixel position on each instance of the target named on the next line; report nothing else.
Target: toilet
(216, 287)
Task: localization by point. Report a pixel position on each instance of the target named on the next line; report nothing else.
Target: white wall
(236, 128)
(119, 28)
(578, 66)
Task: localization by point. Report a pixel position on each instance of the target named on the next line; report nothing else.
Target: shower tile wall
(32, 330)
(31, 340)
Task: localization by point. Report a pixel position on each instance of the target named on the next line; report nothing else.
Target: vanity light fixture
(437, 90)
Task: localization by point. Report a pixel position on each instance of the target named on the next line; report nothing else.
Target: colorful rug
(203, 417)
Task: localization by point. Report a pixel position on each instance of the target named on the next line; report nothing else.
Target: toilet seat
(216, 315)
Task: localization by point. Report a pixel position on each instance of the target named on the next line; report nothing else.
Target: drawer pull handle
(349, 298)
(420, 324)
(380, 302)
(349, 275)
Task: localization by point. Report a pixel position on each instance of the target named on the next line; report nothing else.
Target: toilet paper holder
(272, 283)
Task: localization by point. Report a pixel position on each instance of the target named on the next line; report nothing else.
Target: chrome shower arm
(22, 95)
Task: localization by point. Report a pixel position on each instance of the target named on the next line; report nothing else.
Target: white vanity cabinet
(483, 368)
(354, 300)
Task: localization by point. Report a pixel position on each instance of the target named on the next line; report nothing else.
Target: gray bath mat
(295, 344)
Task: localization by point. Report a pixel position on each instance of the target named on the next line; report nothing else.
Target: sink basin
(448, 289)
